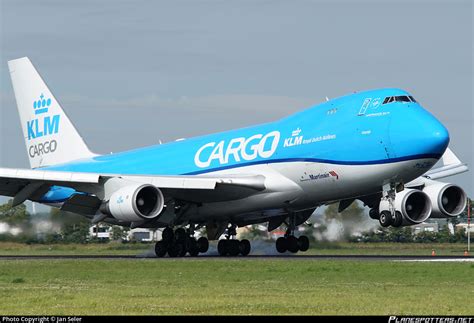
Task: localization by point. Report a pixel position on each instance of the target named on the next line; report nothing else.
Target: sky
(132, 73)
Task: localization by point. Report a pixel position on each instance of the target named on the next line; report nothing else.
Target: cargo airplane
(377, 146)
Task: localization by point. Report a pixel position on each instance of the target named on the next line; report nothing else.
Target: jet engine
(414, 206)
(135, 203)
(448, 200)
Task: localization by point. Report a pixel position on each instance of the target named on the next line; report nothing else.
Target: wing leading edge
(26, 184)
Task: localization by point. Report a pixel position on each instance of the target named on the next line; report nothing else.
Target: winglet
(450, 165)
(449, 158)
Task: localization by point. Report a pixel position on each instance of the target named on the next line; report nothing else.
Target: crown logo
(42, 105)
(295, 132)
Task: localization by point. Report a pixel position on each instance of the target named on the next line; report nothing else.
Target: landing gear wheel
(303, 243)
(182, 249)
(192, 247)
(203, 244)
(374, 214)
(222, 247)
(397, 220)
(233, 247)
(244, 247)
(167, 234)
(385, 219)
(175, 249)
(180, 234)
(281, 245)
(160, 249)
(292, 244)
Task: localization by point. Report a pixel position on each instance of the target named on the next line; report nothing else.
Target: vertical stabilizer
(50, 137)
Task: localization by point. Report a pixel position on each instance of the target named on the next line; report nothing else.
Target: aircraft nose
(439, 137)
(431, 135)
(423, 134)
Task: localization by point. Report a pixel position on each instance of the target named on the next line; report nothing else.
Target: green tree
(118, 233)
(17, 215)
(75, 233)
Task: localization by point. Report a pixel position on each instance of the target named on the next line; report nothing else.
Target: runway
(250, 257)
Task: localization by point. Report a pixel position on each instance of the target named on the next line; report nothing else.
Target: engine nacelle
(135, 203)
(414, 205)
(448, 200)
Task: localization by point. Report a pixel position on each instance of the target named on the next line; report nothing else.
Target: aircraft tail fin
(49, 135)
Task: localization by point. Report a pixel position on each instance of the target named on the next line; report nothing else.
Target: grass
(233, 286)
(333, 248)
(113, 248)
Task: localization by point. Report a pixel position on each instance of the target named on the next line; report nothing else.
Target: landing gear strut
(391, 216)
(231, 246)
(289, 242)
(180, 242)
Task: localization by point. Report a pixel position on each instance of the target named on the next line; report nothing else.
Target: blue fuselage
(358, 129)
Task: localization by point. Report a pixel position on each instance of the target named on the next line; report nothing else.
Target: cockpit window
(400, 98)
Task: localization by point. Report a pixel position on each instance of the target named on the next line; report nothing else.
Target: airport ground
(258, 248)
(292, 285)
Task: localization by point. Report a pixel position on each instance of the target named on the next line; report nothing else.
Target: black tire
(303, 243)
(192, 247)
(180, 235)
(374, 214)
(161, 249)
(183, 248)
(385, 219)
(292, 244)
(244, 247)
(203, 244)
(167, 234)
(281, 245)
(233, 246)
(397, 220)
(174, 250)
(222, 248)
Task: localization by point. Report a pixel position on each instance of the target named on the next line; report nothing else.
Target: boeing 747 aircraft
(376, 146)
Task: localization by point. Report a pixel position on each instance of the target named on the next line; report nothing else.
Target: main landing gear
(289, 242)
(231, 246)
(180, 242)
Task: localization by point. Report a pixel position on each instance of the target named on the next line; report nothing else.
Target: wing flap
(82, 204)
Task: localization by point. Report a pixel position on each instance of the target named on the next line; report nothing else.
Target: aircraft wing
(450, 165)
(27, 184)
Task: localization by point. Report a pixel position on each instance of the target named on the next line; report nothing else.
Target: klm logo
(294, 140)
(42, 105)
(45, 126)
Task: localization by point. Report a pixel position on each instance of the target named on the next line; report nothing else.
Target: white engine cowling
(135, 203)
(448, 200)
(414, 205)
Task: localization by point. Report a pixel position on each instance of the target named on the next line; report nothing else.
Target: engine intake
(448, 200)
(135, 203)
